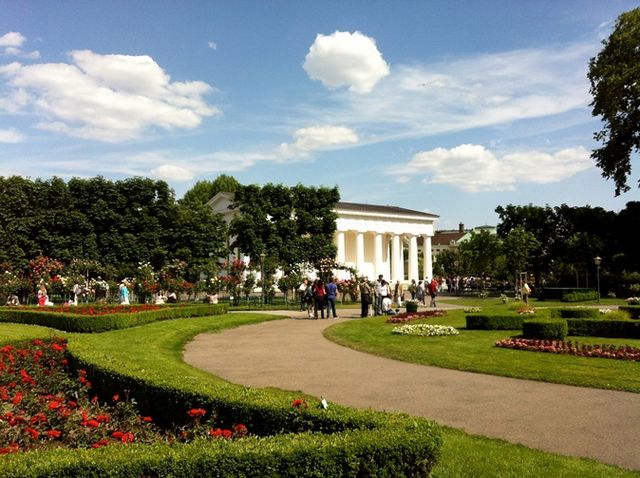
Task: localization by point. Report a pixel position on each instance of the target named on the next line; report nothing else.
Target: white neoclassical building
(373, 239)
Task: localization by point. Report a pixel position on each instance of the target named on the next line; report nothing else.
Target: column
(426, 250)
(360, 252)
(396, 259)
(377, 261)
(413, 258)
(340, 257)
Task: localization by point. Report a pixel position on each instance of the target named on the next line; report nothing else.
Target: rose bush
(623, 352)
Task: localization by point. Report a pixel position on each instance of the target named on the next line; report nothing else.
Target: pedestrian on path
(365, 297)
(332, 293)
(319, 297)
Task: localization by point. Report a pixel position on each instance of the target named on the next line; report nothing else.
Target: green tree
(615, 86)
(203, 191)
(518, 246)
(481, 254)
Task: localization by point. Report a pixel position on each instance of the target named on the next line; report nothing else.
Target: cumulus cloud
(346, 59)
(170, 172)
(108, 98)
(11, 45)
(11, 135)
(473, 168)
(317, 138)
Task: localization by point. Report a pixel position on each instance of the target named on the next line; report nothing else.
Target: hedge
(576, 313)
(632, 310)
(628, 329)
(547, 329)
(342, 442)
(580, 296)
(494, 322)
(102, 323)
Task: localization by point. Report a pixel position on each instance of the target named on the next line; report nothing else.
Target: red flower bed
(409, 316)
(96, 309)
(623, 352)
(42, 406)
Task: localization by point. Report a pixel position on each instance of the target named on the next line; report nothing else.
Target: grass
(474, 351)
(159, 346)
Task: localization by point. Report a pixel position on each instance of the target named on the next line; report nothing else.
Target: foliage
(580, 296)
(551, 329)
(634, 312)
(481, 255)
(95, 321)
(293, 226)
(604, 328)
(576, 313)
(494, 322)
(615, 86)
(203, 191)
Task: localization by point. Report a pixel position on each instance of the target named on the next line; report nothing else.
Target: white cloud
(317, 138)
(11, 43)
(346, 59)
(213, 45)
(11, 135)
(170, 172)
(108, 98)
(473, 168)
(12, 39)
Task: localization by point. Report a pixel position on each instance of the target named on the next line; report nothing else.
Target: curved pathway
(292, 354)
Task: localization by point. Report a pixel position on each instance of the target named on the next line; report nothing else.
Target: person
(420, 293)
(386, 306)
(398, 292)
(123, 293)
(332, 293)
(365, 297)
(433, 291)
(377, 310)
(77, 292)
(412, 289)
(319, 296)
(308, 299)
(385, 293)
(302, 293)
(525, 291)
(213, 298)
(43, 298)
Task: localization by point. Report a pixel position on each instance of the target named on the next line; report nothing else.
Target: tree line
(556, 246)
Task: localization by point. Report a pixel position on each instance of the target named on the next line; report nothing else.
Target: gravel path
(292, 354)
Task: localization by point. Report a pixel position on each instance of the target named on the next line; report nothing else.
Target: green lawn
(474, 351)
(156, 347)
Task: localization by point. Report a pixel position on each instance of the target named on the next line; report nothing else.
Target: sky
(446, 107)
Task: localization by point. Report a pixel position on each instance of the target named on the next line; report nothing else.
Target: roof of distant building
(373, 208)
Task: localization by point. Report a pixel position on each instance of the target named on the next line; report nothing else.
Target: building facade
(387, 240)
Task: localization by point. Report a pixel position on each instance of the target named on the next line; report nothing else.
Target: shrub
(633, 311)
(547, 329)
(629, 329)
(72, 322)
(576, 313)
(411, 306)
(580, 296)
(494, 322)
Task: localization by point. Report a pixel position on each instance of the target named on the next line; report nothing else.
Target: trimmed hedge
(102, 323)
(577, 313)
(632, 310)
(548, 329)
(343, 442)
(494, 322)
(580, 296)
(628, 329)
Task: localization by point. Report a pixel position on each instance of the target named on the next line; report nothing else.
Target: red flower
(93, 423)
(215, 433)
(227, 433)
(17, 398)
(115, 397)
(240, 429)
(33, 432)
(147, 419)
(54, 405)
(197, 412)
(103, 418)
(54, 433)
(57, 347)
(299, 403)
(100, 443)
(12, 448)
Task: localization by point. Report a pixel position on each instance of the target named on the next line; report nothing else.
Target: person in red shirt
(319, 296)
(433, 291)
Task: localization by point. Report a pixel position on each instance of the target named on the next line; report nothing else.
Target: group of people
(319, 297)
(421, 290)
(381, 296)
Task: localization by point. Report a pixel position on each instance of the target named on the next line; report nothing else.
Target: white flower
(425, 330)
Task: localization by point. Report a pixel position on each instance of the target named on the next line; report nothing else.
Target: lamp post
(597, 261)
(262, 291)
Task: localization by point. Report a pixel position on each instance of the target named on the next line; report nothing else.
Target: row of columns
(397, 259)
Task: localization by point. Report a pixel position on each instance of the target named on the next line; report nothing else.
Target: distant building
(450, 240)
(373, 239)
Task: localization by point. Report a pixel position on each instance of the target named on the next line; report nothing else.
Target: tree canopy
(615, 86)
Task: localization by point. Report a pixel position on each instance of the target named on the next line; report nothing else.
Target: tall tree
(615, 87)
(203, 191)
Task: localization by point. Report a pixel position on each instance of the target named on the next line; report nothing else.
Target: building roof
(445, 237)
(373, 208)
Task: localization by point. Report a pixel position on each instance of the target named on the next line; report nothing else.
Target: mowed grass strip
(474, 351)
(153, 347)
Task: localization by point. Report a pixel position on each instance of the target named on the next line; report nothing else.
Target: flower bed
(43, 406)
(572, 348)
(425, 330)
(409, 316)
(94, 309)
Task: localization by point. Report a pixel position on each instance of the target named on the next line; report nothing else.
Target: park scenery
(182, 295)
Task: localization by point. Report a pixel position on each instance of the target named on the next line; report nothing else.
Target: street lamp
(597, 261)
(262, 256)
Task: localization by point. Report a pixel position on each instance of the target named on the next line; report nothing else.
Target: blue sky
(445, 107)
